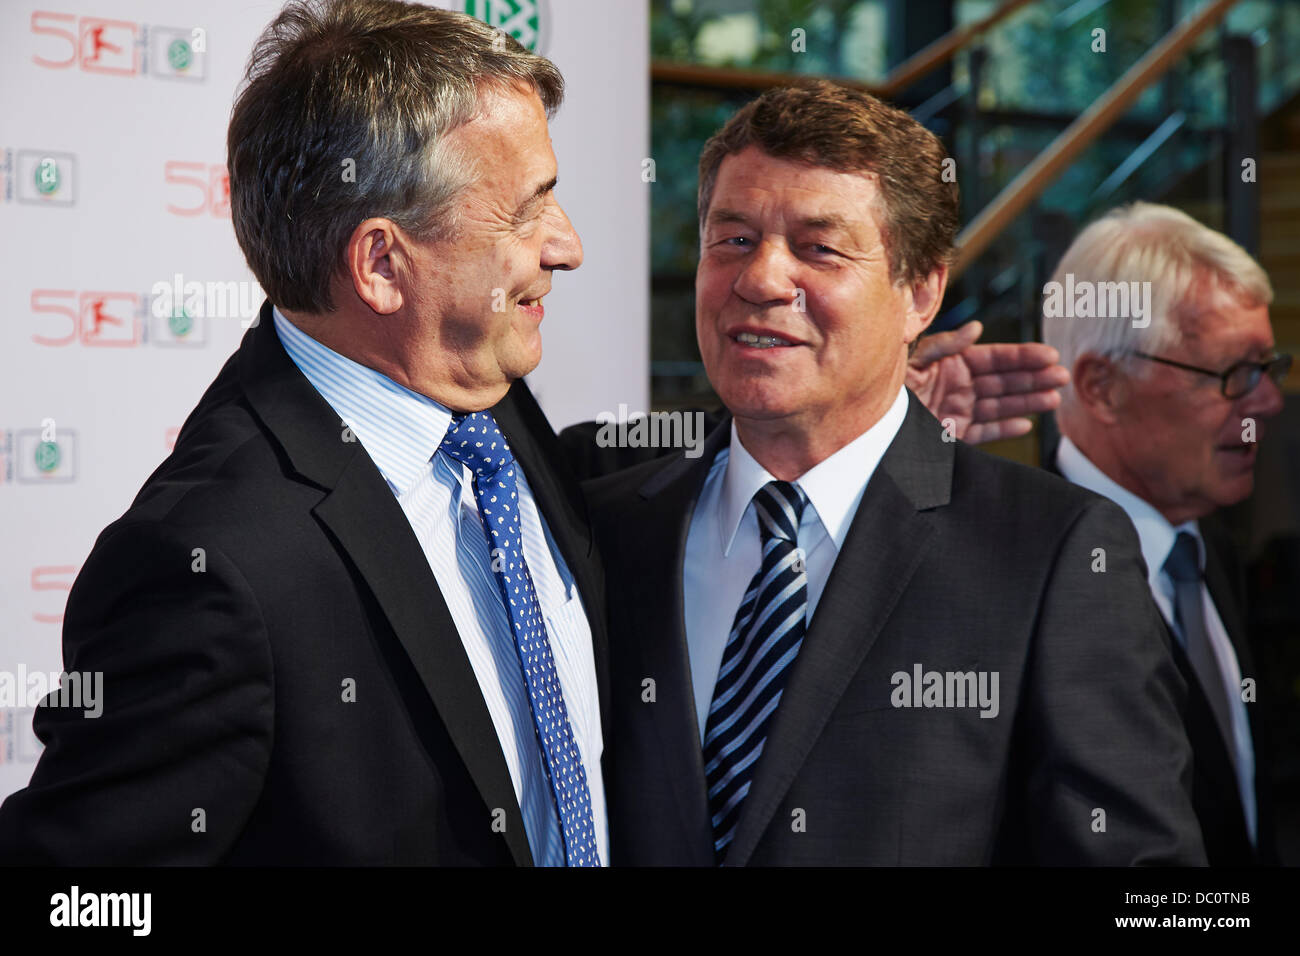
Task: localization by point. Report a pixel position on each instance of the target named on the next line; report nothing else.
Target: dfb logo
(46, 178)
(38, 461)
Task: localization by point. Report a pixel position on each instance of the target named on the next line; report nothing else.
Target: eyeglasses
(1240, 378)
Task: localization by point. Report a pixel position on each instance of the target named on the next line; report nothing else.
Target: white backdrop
(112, 132)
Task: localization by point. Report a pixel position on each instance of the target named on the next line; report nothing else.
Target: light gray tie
(1184, 567)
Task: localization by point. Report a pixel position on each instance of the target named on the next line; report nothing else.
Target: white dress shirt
(724, 549)
(402, 431)
(1157, 537)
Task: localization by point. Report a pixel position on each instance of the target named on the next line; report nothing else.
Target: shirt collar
(1155, 533)
(833, 486)
(400, 429)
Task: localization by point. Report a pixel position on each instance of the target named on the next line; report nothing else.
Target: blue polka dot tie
(476, 441)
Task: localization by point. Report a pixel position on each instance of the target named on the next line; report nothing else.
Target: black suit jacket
(1215, 795)
(224, 687)
(957, 561)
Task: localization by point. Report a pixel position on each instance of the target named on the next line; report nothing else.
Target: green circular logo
(47, 456)
(47, 177)
(180, 323)
(179, 54)
(521, 19)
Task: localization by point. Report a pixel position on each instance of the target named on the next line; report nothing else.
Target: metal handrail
(915, 67)
(1079, 135)
(1144, 151)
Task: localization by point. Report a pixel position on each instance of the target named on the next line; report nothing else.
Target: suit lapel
(886, 542)
(657, 632)
(361, 512)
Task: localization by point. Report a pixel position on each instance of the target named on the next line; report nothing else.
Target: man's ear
(1101, 387)
(923, 301)
(377, 259)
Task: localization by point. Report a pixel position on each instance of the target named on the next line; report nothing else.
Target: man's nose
(562, 248)
(765, 276)
(1264, 400)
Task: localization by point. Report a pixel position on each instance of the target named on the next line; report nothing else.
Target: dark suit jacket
(957, 561)
(1215, 796)
(223, 689)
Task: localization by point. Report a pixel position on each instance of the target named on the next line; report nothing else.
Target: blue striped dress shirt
(401, 431)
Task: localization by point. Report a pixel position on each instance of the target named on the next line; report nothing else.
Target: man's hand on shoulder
(987, 390)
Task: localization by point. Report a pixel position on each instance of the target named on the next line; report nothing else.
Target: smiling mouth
(760, 341)
(532, 308)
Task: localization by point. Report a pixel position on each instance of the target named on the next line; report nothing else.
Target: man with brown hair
(841, 637)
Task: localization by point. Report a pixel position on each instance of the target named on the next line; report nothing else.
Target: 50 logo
(113, 320)
(57, 578)
(206, 187)
(118, 47)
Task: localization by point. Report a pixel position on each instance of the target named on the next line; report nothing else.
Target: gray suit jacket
(955, 561)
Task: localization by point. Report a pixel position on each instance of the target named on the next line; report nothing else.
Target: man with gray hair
(1162, 416)
(355, 617)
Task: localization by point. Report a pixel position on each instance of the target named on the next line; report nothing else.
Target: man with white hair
(1161, 416)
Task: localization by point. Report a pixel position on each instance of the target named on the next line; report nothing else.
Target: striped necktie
(476, 441)
(766, 635)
